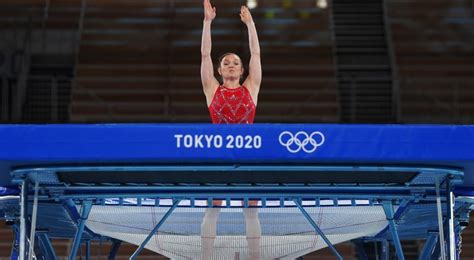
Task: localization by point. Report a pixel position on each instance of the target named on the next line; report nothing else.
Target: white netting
(286, 234)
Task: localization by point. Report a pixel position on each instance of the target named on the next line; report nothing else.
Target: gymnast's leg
(209, 230)
(253, 230)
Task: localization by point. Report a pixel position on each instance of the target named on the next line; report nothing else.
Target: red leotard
(232, 106)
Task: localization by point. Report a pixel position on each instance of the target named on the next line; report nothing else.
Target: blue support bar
(85, 210)
(23, 217)
(46, 246)
(442, 241)
(31, 250)
(450, 221)
(152, 233)
(387, 207)
(436, 251)
(88, 250)
(115, 247)
(250, 168)
(429, 246)
(318, 230)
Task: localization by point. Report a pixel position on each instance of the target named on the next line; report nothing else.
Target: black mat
(238, 177)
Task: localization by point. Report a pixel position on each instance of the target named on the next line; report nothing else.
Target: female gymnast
(230, 103)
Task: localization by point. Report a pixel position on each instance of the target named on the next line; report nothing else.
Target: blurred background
(324, 61)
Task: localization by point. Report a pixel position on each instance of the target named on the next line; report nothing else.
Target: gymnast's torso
(232, 106)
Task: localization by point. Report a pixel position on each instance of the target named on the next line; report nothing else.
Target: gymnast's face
(230, 67)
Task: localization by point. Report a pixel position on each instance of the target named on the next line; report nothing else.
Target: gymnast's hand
(245, 15)
(209, 11)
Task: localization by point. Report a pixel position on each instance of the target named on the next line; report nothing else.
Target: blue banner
(258, 143)
(236, 142)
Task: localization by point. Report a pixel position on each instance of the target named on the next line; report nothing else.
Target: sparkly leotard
(232, 106)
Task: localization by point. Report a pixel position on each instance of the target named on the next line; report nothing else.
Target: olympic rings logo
(301, 141)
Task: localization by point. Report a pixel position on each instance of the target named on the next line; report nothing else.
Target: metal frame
(85, 210)
(155, 229)
(429, 246)
(46, 246)
(388, 208)
(382, 195)
(318, 230)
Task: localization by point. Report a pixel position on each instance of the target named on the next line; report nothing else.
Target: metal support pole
(436, 254)
(85, 210)
(429, 246)
(442, 245)
(23, 214)
(88, 250)
(450, 214)
(46, 245)
(387, 207)
(33, 222)
(152, 233)
(318, 230)
(113, 251)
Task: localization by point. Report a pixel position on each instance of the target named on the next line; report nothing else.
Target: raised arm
(255, 68)
(209, 82)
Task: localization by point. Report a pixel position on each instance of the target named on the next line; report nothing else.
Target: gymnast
(230, 103)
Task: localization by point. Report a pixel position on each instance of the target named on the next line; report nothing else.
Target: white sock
(208, 232)
(253, 231)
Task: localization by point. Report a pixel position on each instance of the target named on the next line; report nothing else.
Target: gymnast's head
(230, 67)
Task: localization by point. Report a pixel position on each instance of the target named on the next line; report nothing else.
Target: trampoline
(315, 185)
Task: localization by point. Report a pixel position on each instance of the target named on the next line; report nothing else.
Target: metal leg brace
(113, 251)
(46, 245)
(85, 210)
(442, 242)
(450, 220)
(387, 207)
(152, 233)
(31, 251)
(429, 246)
(318, 230)
(23, 216)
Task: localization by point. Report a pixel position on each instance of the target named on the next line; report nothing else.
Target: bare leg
(209, 230)
(253, 230)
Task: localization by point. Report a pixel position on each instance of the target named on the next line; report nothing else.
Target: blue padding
(5, 191)
(464, 191)
(451, 146)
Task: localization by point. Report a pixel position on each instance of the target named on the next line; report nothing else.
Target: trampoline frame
(387, 195)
